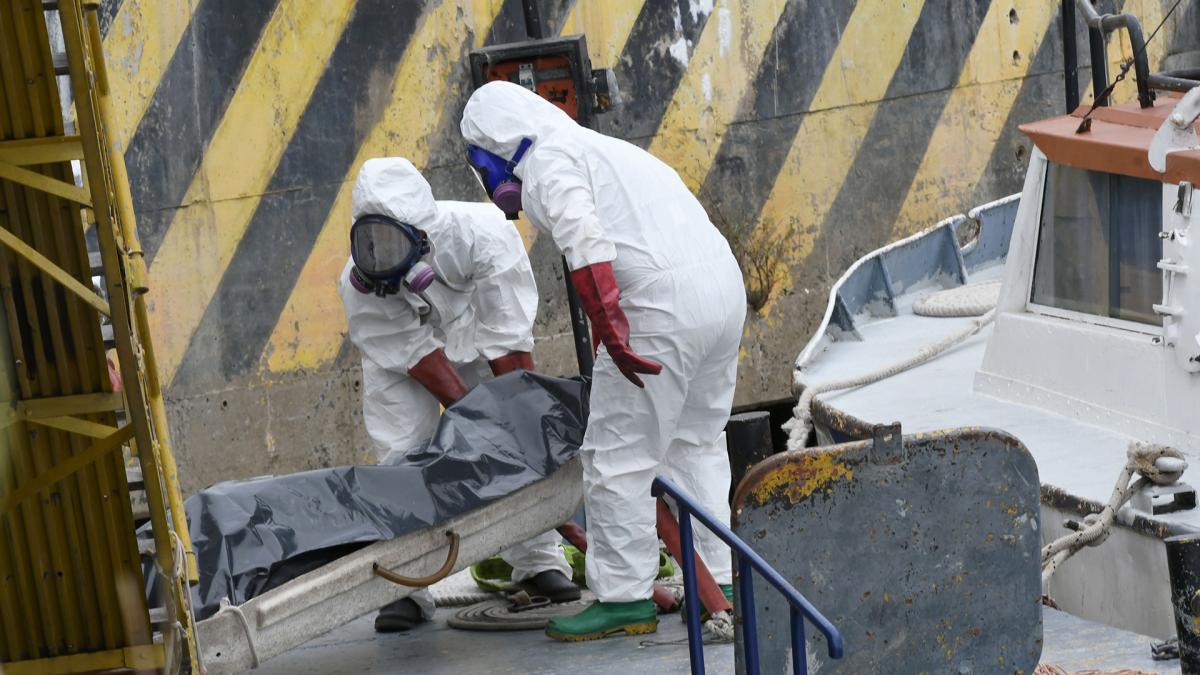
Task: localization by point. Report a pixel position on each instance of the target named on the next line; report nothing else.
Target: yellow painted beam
(63, 469)
(40, 181)
(139, 46)
(76, 426)
(607, 24)
(47, 150)
(975, 114)
(312, 325)
(141, 657)
(720, 70)
(237, 168)
(79, 404)
(854, 82)
(55, 272)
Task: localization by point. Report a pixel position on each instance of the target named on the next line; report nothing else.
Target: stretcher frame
(240, 638)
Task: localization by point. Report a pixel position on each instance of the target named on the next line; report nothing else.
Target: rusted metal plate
(923, 550)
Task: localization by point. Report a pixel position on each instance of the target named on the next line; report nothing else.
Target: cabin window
(1098, 245)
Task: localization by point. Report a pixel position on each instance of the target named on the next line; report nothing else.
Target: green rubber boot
(602, 619)
(727, 589)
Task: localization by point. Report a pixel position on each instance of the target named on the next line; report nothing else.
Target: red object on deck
(711, 596)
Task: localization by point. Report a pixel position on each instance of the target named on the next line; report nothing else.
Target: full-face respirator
(388, 255)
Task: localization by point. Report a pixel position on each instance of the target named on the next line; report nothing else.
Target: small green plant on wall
(761, 251)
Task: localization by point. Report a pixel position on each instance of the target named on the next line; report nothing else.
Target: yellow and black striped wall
(814, 130)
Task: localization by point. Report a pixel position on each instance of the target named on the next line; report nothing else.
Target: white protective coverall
(604, 200)
(481, 307)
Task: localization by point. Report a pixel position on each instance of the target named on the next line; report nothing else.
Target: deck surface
(1071, 644)
(438, 648)
(948, 399)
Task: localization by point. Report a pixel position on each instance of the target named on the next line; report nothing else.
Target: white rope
(227, 608)
(720, 626)
(1159, 464)
(963, 301)
(801, 423)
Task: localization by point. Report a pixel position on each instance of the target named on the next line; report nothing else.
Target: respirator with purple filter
(496, 175)
(387, 255)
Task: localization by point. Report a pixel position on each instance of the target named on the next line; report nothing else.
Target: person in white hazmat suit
(667, 301)
(438, 295)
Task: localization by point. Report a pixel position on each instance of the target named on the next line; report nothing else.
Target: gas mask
(387, 254)
(496, 175)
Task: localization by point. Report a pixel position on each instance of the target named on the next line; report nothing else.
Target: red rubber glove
(510, 362)
(438, 376)
(598, 292)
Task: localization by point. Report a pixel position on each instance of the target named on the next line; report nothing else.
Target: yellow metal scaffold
(72, 591)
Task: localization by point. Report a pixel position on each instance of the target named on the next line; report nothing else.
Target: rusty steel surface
(923, 550)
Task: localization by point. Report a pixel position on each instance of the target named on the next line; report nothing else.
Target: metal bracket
(1155, 500)
(887, 443)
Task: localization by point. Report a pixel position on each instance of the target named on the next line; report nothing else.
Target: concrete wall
(815, 130)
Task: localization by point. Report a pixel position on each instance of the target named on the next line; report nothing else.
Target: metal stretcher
(239, 638)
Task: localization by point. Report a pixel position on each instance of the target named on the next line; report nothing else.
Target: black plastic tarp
(253, 535)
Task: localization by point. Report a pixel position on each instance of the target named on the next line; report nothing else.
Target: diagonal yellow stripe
(607, 24)
(854, 82)
(139, 45)
(239, 163)
(973, 118)
(720, 71)
(312, 326)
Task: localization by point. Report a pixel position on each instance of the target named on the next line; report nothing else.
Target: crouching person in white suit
(438, 296)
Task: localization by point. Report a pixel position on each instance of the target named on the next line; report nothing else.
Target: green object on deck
(493, 575)
(602, 619)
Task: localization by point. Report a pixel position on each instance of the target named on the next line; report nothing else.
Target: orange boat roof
(1118, 141)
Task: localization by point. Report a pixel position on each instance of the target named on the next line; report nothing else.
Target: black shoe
(550, 584)
(401, 615)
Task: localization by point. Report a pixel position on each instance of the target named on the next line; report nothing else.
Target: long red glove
(598, 292)
(510, 362)
(438, 376)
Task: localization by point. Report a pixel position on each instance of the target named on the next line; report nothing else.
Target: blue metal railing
(747, 560)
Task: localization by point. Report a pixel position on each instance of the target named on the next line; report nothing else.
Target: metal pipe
(695, 639)
(710, 593)
(799, 649)
(584, 355)
(1183, 80)
(1070, 56)
(749, 618)
(1102, 24)
(1099, 58)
